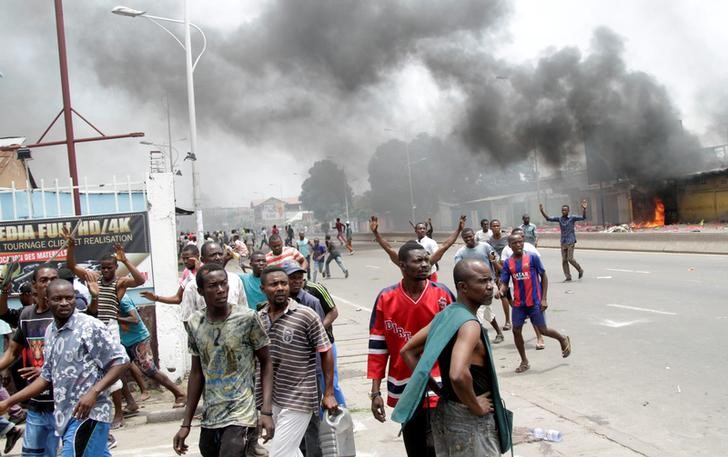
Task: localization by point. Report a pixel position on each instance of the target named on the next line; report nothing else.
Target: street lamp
(190, 68)
(409, 178)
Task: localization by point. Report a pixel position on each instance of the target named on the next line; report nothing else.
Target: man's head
(212, 284)
(236, 237)
(189, 254)
(565, 210)
(257, 263)
(420, 230)
(26, 294)
(414, 261)
(517, 231)
(484, 224)
(338, 219)
(495, 226)
(526, 219)
(301, 236)
(316, 241)
(276, 244)
(515, 241)
(108, 267)
(61, 298)
(468, 237)
(274, 284)
(212, 252)
(43, 275)
(474, 282)
(296, 276)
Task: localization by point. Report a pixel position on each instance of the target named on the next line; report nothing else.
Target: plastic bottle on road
(546, 435)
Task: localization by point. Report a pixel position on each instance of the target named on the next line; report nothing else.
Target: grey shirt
(77, 356)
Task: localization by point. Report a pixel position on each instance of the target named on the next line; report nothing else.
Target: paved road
(649, 362)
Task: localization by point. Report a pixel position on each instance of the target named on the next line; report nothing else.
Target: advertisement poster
(26, 244)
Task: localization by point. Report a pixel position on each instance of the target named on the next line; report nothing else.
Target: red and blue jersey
(524, 272)
(395, 318)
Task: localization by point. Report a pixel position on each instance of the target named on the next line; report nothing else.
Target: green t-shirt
(226, 352)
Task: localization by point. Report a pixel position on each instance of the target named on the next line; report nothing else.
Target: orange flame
(658, 219)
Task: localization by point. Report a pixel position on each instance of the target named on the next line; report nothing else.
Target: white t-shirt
(527, 247)
(193, 301)
(483, 237)
(430, 246)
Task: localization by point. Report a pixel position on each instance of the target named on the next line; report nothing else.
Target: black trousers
(230, 441)
(417, 434)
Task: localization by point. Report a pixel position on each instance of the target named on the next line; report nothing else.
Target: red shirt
(395, 318)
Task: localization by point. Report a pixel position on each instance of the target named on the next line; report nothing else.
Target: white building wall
(171, 336)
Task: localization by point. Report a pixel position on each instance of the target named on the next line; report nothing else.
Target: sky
(286, 83)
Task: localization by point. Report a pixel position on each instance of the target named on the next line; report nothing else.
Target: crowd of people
(262, 346)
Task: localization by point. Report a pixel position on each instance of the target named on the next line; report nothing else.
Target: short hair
(58, 282)
(274, 238)
(467, 230)
(513, 236)
(270, 270)
(191, 248)
(525, 215)
(207, 246)
(565, 206)
(108, 258)
(464, 269)
(25, 288)
(43, 266)
(256, 253)
(483, 220)
(204, 271)
(517, 231)
(494, 220)
(409, 246)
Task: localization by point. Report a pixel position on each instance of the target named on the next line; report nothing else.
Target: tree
(326, 191)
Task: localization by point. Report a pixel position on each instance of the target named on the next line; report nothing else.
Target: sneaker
(260, 450)
(12, 437)
(581, 274)
(112, 441)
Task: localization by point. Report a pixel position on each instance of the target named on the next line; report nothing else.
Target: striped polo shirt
(295, 337)
(108, 301)
(288, 253)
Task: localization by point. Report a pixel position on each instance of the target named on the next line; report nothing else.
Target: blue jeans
(86, 438)
(459, 433)
(338, 393)
(339, 262)
(40, 435)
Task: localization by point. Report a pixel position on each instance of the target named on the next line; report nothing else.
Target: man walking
(334, 254)
(279, 253)
(251, 281)
(470, 391)
(225, 342)
(567, 226)
(81, 360)
(296, 336)
(400, 311)
(530, 286)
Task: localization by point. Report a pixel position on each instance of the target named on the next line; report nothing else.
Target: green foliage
(325, 191)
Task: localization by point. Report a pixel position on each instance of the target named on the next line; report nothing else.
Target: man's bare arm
(374, 227)
(136, 278)
(412, 350)
(543, 213)
(437, 255)
(460, 377)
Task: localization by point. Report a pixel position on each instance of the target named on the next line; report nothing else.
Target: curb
(170, 415)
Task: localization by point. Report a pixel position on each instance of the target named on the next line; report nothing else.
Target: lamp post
(190, 68)
(409, 178)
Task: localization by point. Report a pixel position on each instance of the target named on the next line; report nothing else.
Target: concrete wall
(695, 243)
(171, 337)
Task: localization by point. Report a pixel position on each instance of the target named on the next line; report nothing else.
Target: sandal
(567, 350)
(540, 346)
(507, 326)
(523, 367)
(498, 339)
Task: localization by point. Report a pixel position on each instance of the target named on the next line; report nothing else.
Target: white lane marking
(628, 271)
(615, 324)
(604, 277)
(635, 308)
(352, 304)
(373, 267)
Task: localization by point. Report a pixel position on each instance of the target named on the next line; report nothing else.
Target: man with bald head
(459, 345)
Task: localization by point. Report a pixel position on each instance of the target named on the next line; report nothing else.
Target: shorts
(485, 314)
(519, 314)
(141, 354)
(113, 327)
(86, 438)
